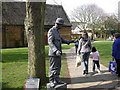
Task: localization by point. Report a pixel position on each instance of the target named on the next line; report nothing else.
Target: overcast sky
(109, 6)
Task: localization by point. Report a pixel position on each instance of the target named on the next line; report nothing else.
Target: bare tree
(88, 16)
(34, 25)
(111, 24)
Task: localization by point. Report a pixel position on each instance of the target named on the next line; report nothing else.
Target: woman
(84, 51)
(116, 52)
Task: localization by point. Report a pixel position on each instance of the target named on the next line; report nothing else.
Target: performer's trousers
(55, 67)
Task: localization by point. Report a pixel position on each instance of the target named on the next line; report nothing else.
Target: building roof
(13, 13)
(53, 12)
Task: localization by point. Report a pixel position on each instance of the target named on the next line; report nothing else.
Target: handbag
(78, 61)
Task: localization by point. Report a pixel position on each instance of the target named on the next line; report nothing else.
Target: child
(96, 57)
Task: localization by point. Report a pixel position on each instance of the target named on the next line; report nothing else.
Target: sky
(109, 6)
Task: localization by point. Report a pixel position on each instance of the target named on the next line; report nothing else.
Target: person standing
(84, 48)
(55, 52)
(96, 58)
(116, 52)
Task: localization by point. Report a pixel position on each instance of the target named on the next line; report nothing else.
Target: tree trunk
(34, 26)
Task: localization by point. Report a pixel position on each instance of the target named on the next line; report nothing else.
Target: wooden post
(34, 26)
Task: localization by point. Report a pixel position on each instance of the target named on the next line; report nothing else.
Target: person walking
(55, 52)
(84, 48)
(96, 58)
(116, 52)
(76, 45)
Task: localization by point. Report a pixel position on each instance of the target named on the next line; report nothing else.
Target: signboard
(32, 84)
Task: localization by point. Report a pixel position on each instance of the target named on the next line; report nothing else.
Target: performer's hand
(68, 43)
(58, 53)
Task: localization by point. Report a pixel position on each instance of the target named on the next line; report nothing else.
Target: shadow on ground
(92, 78)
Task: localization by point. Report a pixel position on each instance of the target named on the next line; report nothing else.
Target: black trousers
(97, 63)
(118, 66)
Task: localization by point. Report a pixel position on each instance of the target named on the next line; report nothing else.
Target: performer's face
(59, 26)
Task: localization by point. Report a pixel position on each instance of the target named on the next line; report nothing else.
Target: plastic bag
(112, 67)
(78, 61)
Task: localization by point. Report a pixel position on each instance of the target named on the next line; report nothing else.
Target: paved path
(96, 81)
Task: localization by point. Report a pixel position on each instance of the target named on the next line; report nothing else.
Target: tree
(111, 24)
(34, 26)
(88, 16)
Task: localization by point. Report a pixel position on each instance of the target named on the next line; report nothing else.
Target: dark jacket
(76, 43)
(116, 48)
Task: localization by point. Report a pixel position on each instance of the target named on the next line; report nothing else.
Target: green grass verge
(15, 64)
(99, 39)
(105, 50)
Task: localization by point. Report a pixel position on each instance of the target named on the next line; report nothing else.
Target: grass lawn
(105, 50)
(99, 39)
(14, 66)
(15, 61)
